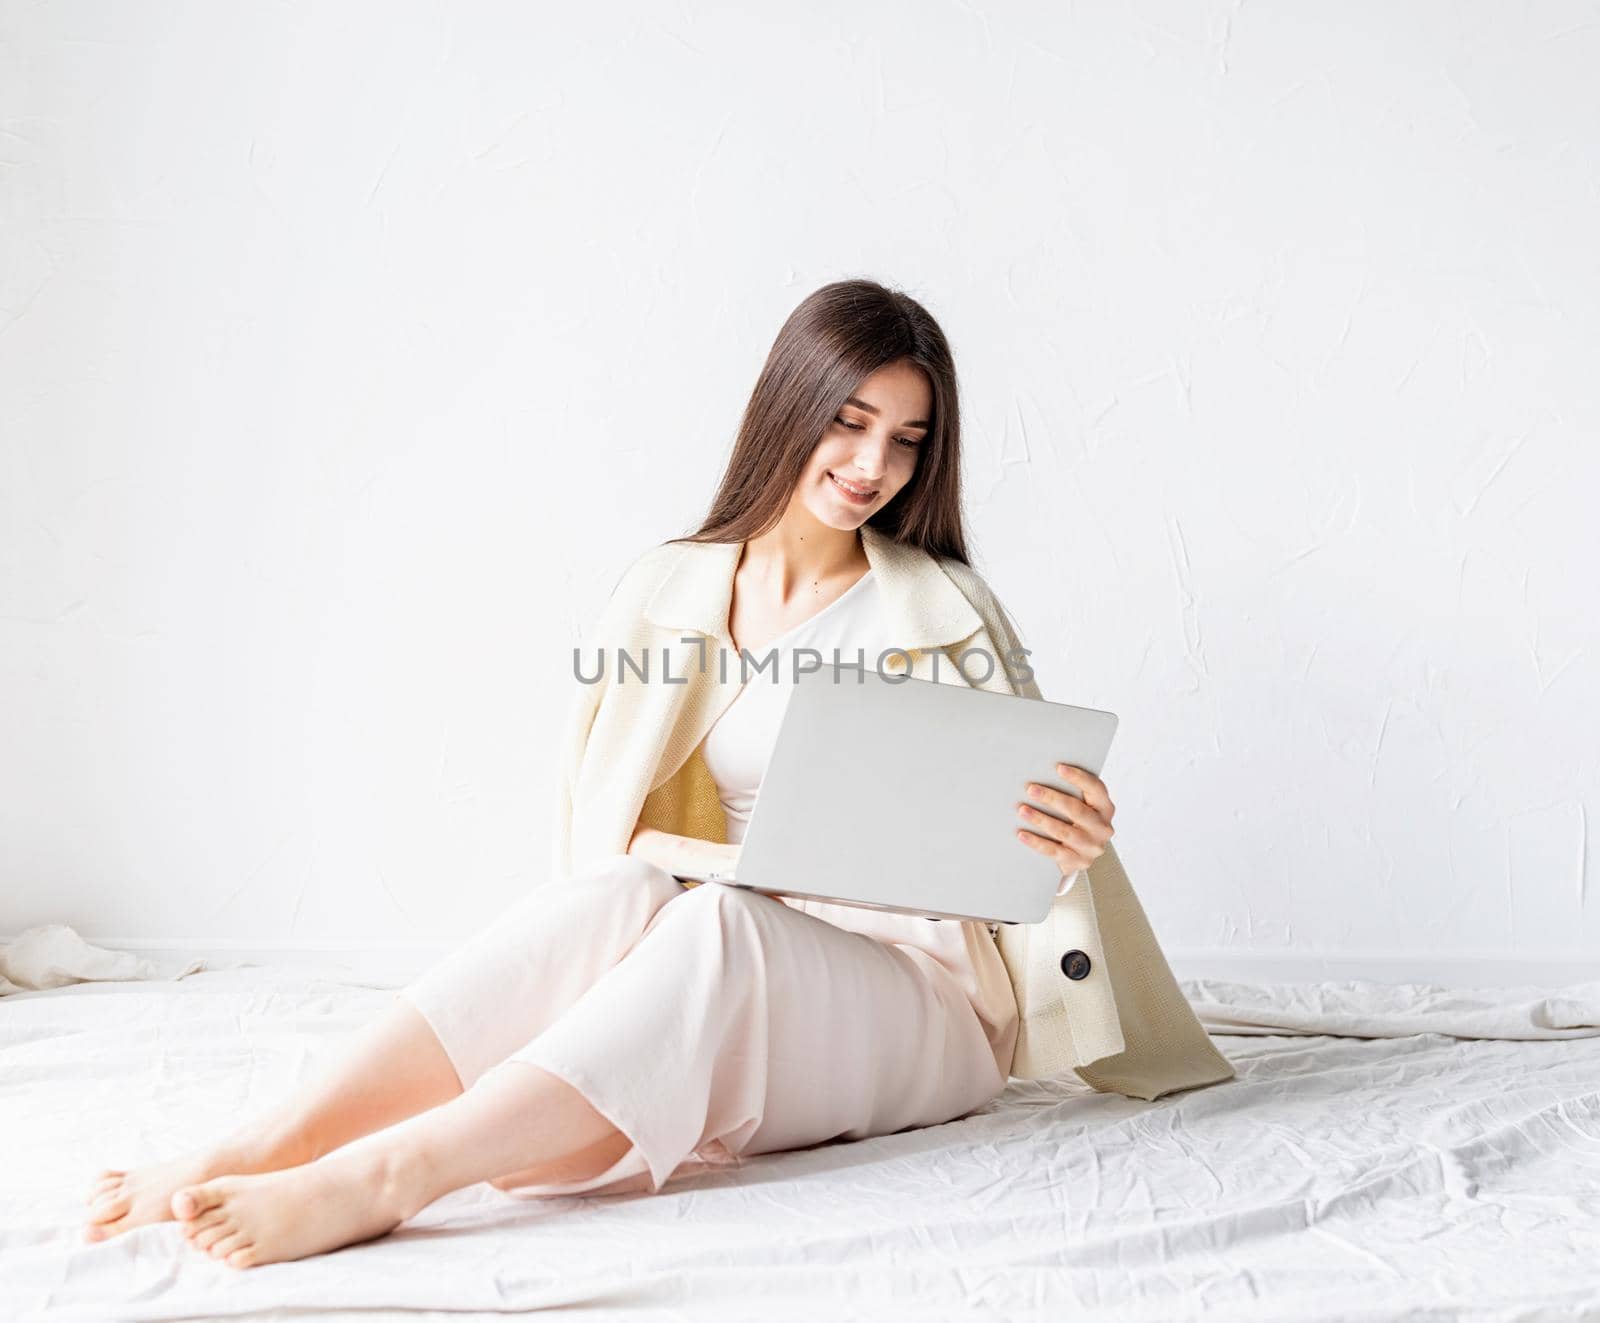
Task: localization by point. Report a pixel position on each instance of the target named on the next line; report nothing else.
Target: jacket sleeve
(593, 663)
(595, 656)
(581, 710)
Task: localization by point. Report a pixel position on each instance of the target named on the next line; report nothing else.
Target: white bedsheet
(1407, 1174)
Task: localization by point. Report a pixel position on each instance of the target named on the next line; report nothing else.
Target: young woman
(617, 1024)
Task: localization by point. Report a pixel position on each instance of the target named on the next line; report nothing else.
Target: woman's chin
(845, 520)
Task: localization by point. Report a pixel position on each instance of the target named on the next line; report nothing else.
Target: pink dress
(709, 1023)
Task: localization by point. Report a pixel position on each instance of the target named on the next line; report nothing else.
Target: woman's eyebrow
(862, 404)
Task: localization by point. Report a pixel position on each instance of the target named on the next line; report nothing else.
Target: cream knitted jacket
(631, 754)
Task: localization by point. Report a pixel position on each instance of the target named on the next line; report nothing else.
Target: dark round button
(1075, 965)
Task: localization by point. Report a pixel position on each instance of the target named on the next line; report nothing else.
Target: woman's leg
(514, 1117)
(394, 1069)
(735, 1019)
(446, 1028)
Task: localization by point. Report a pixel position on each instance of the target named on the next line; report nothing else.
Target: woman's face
(870, 447)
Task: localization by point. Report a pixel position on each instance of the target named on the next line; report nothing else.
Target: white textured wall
(348, 352)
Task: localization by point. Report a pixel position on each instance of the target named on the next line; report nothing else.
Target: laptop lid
(899, 793)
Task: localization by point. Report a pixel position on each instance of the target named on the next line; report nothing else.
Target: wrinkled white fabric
(1364, 1009)
(1424, 1176)
(52, 955)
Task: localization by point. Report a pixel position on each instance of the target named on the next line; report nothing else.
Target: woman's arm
(680, 855)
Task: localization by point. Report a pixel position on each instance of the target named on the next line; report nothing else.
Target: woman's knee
(629, 874)
(718, 903)
(602, 884)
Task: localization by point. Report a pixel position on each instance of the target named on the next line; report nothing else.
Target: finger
(1059, 802)
(1073, 809)
(1064, 835)
(1067, 859)
(1094, 789)
(1037, 820)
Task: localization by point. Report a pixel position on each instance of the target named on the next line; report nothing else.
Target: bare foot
(350, 1195)
(121, 1200)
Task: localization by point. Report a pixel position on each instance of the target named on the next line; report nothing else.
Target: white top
(739, 746)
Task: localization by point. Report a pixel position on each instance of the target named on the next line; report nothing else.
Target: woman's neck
(788, 559)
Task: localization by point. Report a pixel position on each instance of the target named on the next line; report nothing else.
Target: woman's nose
(868, 465)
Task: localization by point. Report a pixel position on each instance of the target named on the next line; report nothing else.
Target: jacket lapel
(922, 607)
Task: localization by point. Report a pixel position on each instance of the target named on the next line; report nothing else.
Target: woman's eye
(910, 442)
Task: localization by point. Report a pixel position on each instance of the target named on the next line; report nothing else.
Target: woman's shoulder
(646, 570)
(999, 622)
(975, 588)
(633, 588)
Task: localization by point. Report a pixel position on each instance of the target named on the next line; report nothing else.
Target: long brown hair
(835, 339)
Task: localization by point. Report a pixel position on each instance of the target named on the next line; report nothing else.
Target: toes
(204, 1240)
(104, 1230)
(193, 1200)
(108, 1206)
(227, 1245)
(243, 1257)
(195, 1225)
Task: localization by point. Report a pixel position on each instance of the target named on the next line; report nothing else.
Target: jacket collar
(923, 606)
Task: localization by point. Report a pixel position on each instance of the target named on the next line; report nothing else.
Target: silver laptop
(899, 793)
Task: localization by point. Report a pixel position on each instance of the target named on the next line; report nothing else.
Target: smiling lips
(856, 494)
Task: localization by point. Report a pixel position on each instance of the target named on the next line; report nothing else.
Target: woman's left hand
(1079, 841)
